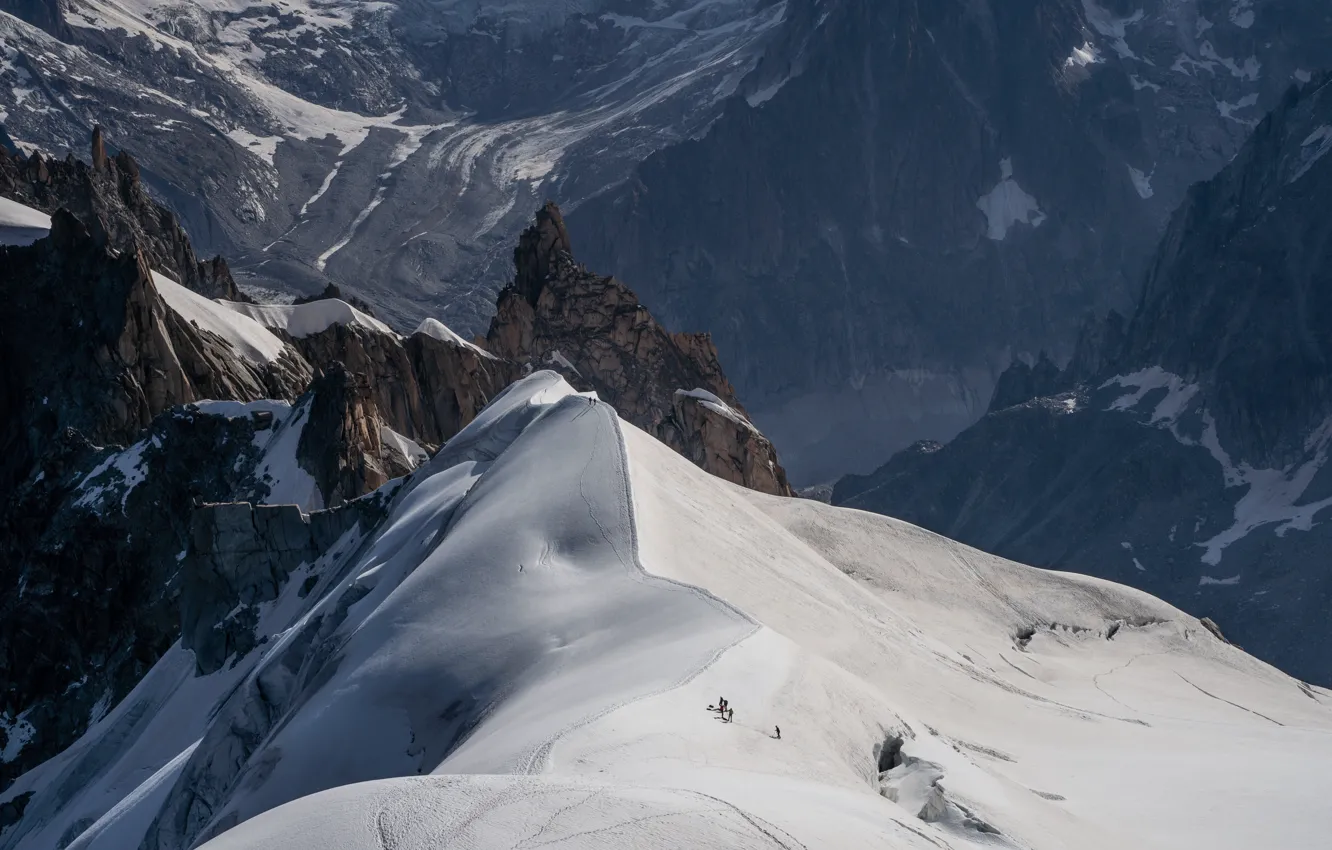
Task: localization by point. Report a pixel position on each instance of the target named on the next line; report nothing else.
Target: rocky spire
(540, 247)
(108, 196)
(593, 329)
(98, 149)
(341, 444)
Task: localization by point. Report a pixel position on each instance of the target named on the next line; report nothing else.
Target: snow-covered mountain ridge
(131, 400)
(508, 664)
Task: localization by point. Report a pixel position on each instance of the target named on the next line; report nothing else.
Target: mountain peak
(98, 149)
(540, 247)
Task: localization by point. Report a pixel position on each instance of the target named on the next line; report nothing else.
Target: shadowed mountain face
(873, 206)
(1193, 462)
(936, 189)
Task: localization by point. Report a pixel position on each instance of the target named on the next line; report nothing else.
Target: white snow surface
(1142, 182)
(443, 333)
(249, 338)
(523, 655)
(302, 320)
(405, 446)
(21, 224)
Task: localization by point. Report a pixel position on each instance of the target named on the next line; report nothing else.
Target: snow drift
(524, 652)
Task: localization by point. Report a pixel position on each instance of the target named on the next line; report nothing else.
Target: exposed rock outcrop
(456, 381)
(386, 367)
(240, 556)
(905, 201)
(90, 550)
(112, 202)
(331, 292)
(342, 444)
(557, 314)
(88, 343)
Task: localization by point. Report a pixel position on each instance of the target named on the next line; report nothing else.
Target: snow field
(1118, 727)
(442, 332)
(556, 592)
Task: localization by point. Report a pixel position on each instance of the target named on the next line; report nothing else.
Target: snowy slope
(21, 224)
(251, 340)
(555, 599)
(302, 320)
(442, 332)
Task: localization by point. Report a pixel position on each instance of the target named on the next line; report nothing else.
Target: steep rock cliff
(556, 314)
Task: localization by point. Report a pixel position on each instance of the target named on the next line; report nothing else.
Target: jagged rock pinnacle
(538, 247)
(98, 149)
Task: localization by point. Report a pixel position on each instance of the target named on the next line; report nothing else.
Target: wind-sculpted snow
(20, 224)
(555, 600)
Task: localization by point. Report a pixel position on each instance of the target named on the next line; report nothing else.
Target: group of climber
(723, 708)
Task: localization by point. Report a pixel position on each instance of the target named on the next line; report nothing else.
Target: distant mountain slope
(394, 148)
(1193, 461)
(928, 190)
(523, 651)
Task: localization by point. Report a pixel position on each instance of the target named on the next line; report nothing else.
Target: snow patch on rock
(1008, 204)
(1273, 496)
(302, 320)
(251, 340)
(442, 332)
(1312, 149)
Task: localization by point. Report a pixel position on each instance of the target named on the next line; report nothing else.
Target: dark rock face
(341, 444)
(111, 201)
(940, 188)
(43, 14)
(1189, 457)
(455, 382)
(1248, 257)
(556, 314)
(241, 555)
(88, 343)
(90, 553)
(385, 366)
(107, 555)
(1021, 382)
(333, 292)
